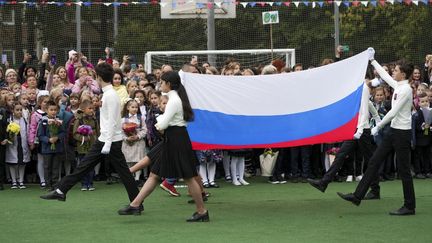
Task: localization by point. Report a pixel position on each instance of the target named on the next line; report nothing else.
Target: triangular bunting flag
(79, 3)
(408, 2)
(346, 3)
(296, 4)
(252, 4)
(382, 2)
(287, 4)
(313, 4)
(425, 2)
(355, 3)
(374, 3)
(244, 4)
(278, 3)
(390, 1)
(270, 3)
(87, 4)
(262, 4)
(163, 5)
(338, 3)
(399, 1)
(306, 3)
(365, 3)
(321, 3)
(173, 5)
(415, 2)
(219, 4)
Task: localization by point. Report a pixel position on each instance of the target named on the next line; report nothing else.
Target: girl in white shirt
(173, 157)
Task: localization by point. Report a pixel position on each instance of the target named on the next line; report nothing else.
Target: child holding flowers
(86, 130)
(134, 129)
(17, 149)
(51, 141)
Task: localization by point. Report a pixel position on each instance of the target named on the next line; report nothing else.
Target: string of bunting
(313, 4)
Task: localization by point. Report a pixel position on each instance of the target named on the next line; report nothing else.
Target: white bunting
(270, 3)
(79, 3)
(244, 4)
(415, 2)
(365, 3)
(296, 4)
(390, 1)
(107, 4)
(219, 4)
(313, 4)
(338, 3)
(162, 4)
(135, 3)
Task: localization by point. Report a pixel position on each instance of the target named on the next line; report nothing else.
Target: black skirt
(173, 157)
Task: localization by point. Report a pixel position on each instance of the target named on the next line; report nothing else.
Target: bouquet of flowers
(85, 131)
(428, 119)
(130, 129)
(53, 128)
(12, 129)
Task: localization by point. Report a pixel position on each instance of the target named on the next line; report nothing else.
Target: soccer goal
(217, 58)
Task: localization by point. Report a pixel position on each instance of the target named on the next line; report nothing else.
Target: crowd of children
(56, 116)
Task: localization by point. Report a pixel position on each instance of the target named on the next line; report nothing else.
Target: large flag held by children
(319, 105)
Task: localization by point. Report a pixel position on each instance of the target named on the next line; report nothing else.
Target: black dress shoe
(372, 196)
(403, 211)
(196, 217)
(204, 197)
(53, 195)
(350, 197)
(318, 184)
(129, 210)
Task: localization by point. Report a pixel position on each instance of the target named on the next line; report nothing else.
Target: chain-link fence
(394, 30)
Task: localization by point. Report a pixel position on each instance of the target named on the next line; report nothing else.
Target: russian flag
(319, 105)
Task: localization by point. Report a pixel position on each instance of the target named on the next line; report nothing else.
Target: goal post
(247, 58)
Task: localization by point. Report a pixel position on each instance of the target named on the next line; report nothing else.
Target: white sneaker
(358, 178)
(349, 178)
(236, 183)
(243, 182)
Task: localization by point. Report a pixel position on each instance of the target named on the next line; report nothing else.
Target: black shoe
(110, 180)
(206, 185)
(372, 196)
(53, 195)
(213, 184)
(196, 217)
(1, 187)
(205, 196)
(129, 210)
(318, 184)
(350, 197)
(403, 211)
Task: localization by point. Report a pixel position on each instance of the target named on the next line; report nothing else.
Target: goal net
(217, 58)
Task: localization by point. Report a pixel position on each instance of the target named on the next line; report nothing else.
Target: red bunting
(262, 4)
(382, 2)
(287, 4)
(68, 4)
(408, 2)
(356, 3)
(154, 2)
(13, 2)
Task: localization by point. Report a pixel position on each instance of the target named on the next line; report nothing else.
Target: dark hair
(28, 68)
(52, 103)
(105, 71)
(146, 101)
(173, 79)
(405, 67)
(422, 95)
(119, 72)
(125, 112)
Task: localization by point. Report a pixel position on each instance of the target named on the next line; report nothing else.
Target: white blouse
(173, 115)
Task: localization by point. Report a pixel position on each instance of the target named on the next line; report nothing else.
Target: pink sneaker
(169, 188)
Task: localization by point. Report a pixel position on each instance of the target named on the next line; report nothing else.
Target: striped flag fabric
(319, 105)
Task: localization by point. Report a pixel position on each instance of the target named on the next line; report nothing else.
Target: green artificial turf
(260, 212)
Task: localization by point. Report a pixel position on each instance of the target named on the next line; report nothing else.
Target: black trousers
(2, 164)
(422, 162)
(92, 158)
(400, 141)
(348, 147)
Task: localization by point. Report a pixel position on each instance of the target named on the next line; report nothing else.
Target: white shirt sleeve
(171, 109)
(403, 97)
(384, 75)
